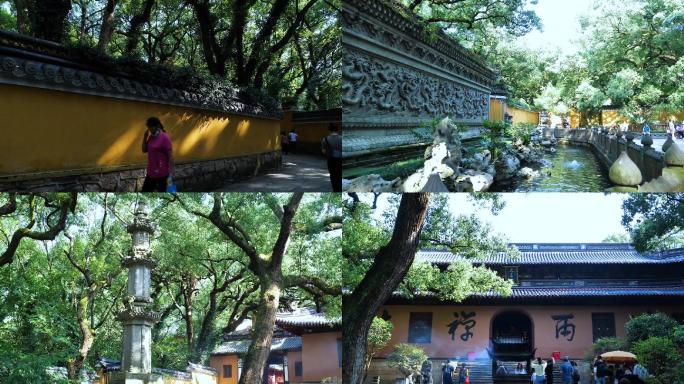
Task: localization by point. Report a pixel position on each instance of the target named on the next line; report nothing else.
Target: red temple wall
(442, 346)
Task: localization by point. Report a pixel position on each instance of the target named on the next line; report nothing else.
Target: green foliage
(365, 234)
(40, 289)
(474, 16)
(617, 238)
(588, 97)
(300, 68)
(605, 344)
(646, 326)
(493, 136)
(379, 336)
(657, 354)
(407, 358)
(521, 131)
(678, 336)
(654, 221)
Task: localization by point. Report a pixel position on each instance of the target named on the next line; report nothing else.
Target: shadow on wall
(60, 131)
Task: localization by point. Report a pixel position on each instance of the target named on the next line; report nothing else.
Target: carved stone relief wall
(398, 76)
(372, 87)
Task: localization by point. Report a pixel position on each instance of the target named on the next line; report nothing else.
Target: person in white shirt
(539, 371)
(293, 140)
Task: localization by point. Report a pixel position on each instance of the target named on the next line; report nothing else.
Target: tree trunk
(48, 18)
(87, 338)
(262, 332)
(137, 23)
(388, 269)
(107, 27)
(213, 55)
(188, 287)
(22, 16)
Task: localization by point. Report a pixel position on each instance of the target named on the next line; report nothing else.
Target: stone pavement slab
(305, 173)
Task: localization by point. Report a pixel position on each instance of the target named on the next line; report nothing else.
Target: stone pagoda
(138, 318)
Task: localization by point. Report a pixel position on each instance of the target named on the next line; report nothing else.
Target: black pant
(335, 169)
(292, 146)
(154, 184)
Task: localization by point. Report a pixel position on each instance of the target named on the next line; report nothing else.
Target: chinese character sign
(466, 319)
(564, 327)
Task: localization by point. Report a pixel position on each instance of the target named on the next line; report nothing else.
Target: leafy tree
(470, 15)
(408, 359)
(605, 344)
(657, 354)
(654, 221)
(379, 261)
(588, 97)
(263, 240)
(379, 336)
(678, 336)
(58, 297)
(646, 326)
(617, 238)
(35, 216)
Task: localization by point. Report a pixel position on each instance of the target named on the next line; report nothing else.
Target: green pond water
(570, 169)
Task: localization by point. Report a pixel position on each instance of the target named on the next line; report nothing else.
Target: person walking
(575, 373)
(548, 371)
(284, 142)
(566, 370)
(464, 375)
(447, 377)
(601, 371)
(331, 146)
(539, 371)
(157, 144)
(671, 128)
(646, 130)
(293, 141)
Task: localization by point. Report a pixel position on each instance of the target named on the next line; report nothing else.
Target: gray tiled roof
(562, 254)
(592, 291)
(241, 346)
(306, 318)
(669, 290)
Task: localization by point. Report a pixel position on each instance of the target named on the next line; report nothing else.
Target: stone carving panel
(374, 88)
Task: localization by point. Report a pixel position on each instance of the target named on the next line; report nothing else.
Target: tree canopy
(631, 58)
(288, 48)
(60, 297)
(654, 221)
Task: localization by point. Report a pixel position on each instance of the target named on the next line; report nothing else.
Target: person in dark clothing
(549, 371)
(575, 373)
(331, 146)
(447, 371)
(601, 371)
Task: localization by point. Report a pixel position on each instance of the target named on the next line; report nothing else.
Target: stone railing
(662, 172)
(398, 76)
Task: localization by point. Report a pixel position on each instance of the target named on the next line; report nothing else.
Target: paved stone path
(305, 173)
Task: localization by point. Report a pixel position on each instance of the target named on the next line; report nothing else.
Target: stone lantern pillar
(138, 318)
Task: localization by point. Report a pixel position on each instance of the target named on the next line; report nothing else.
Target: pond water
(570, 169)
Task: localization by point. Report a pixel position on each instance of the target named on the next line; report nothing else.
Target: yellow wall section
(60, 131)
(217, 362)
(499, 107)
(523, 116)
(496, 110)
